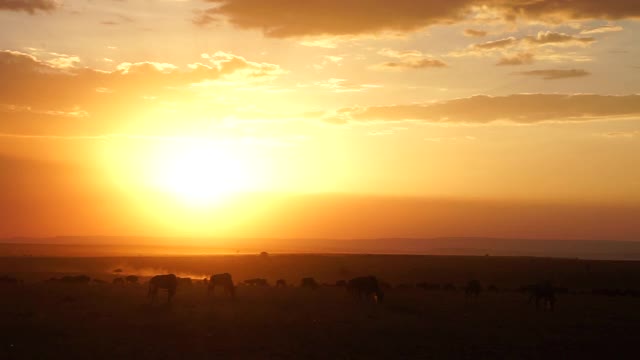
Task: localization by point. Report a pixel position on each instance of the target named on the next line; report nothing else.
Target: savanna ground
(41, 320)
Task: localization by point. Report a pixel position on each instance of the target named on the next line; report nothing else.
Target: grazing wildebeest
(131, 279)
(167, 282)
(118, 281)
(223, 280)
(185, 282)
(281, 283)
(256, 282)
(309, 283)
(473, 289)
(4, 279)
(544, 295)
(366, 288)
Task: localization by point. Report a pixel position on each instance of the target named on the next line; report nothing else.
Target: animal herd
(366, 288)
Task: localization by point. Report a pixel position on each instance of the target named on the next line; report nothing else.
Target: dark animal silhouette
(4, 279)
(473, 289)
(281, 283)
(543, 294)
(167, 282)
(256, 282)
(118, 281)
(366, 288)
(131, 279)
(309, 283)
(223, 280)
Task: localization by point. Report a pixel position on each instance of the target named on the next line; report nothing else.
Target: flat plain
(98, 320)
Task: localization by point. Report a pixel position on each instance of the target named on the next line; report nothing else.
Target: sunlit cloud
(602, 30)
(516, 59)
(482, 109)
(475, 33)
(556, 74)
(29, 6)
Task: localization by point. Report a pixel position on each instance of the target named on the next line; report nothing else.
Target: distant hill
(123, 246)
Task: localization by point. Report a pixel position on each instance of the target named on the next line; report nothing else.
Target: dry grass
(101, 321)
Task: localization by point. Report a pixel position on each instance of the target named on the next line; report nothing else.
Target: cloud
(29, 6)
(554, 38)
(62, 87)
(343, 85)
(411, 64)
(496, 44)
(622, 134)
(559, 10)
(407, 59)
(475, 33)
(294, 18)
(313, 18)
(483, 109)
(556, 74)
(517, 59)
(602, 30)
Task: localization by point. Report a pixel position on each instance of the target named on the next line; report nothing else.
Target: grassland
(41, 320)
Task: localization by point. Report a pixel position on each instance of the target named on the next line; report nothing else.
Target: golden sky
(320, 118)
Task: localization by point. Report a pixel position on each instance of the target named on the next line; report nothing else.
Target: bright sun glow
(201, 174)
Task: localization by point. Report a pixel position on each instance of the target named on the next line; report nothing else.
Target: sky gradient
(338, 119)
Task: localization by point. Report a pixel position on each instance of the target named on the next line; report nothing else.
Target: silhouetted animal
(366, 288)
(544, 295)
(256, 282)
(309, 283)
(131, 279)
(166, 282)
(118, 281)
(223, 280)
(281, 283)
(4, 279)
(184, 282)
(473, 289)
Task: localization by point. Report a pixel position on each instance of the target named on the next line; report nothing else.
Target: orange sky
(342, 119)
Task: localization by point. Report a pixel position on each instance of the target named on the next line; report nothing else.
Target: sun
(201, 174)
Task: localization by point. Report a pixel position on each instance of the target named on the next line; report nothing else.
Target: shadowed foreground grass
(62, 321)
